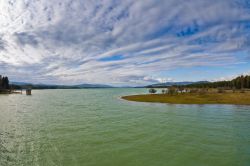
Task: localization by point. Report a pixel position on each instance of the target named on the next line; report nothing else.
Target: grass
(194, 98)
(4, 91)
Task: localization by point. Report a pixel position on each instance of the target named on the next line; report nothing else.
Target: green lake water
(94, 127)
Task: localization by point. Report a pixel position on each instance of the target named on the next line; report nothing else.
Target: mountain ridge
(166, 84)
(55, 86)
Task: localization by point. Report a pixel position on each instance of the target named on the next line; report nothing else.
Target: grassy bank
(5, 91)
(194, 98)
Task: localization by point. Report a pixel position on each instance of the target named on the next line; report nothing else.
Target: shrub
(203, 91)
(220, 90)
(242, 91)
(152, 90)
(193, 91)
(171, 91)
(234, 89)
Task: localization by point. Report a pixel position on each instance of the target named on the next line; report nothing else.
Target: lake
(93, 127)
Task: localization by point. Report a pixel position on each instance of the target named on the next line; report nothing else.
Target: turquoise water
(94, 127)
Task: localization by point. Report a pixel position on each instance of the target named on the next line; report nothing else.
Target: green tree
(4, 83)
(247, 81)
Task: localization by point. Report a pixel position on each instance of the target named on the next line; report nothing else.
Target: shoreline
(190, 98)
(4, 92)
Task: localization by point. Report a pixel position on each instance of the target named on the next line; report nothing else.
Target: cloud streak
(80, 41)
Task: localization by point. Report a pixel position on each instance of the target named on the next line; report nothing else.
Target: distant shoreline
(236, 98)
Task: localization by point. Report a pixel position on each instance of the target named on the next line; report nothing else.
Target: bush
(152, 90)
(220, 90)
(171, 91)
(242, 91)
(203, 91)
(193, 90)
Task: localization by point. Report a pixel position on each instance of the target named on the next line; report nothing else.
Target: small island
(235, 92)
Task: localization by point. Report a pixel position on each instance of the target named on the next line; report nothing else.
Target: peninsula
(235, 92)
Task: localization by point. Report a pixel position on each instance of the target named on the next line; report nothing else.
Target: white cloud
(65, 41)
(157, 79)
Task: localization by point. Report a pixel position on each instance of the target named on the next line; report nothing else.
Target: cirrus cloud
(119, 42)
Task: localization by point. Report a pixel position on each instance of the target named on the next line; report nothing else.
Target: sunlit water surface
(95, 127)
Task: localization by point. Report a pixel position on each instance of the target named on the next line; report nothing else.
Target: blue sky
(124, 42)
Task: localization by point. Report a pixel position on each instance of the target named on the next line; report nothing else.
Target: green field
(194, 98)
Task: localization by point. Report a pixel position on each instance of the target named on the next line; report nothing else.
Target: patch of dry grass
(194, 98)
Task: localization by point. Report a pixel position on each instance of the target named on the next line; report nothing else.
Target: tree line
(241, 82)
(4, 83)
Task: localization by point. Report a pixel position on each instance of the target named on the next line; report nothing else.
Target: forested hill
(240, 82)
(168, 84)
(5, 85)
(23, 85)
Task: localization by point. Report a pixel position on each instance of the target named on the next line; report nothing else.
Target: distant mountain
(166, 84)
(93, 86)
(48, 86)
(20, 83)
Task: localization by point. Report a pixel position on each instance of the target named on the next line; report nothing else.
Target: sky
(124, 42)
